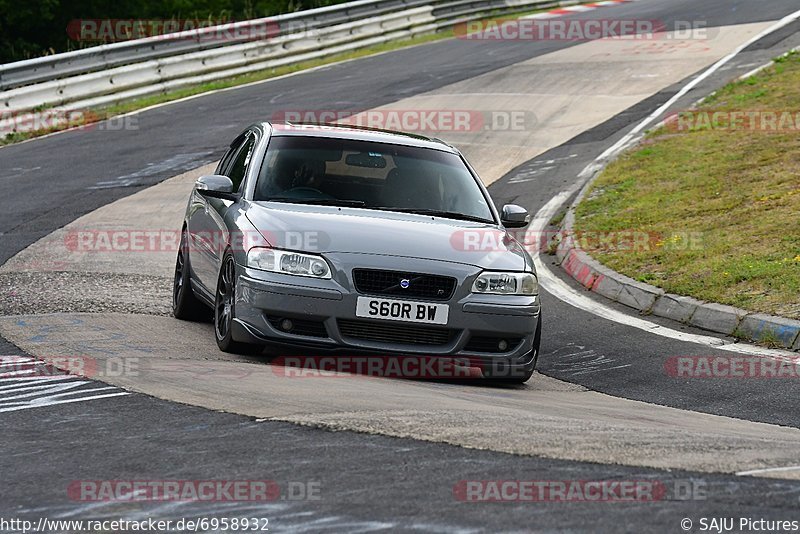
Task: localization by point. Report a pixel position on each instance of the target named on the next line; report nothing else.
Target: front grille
(491, 344)
(300, 327)
(392, 332)
(427, 286)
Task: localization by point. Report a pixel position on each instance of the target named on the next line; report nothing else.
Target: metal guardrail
(115, 72)
(115, 54)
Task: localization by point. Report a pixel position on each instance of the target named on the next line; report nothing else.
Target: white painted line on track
(559, 289)
(759, 68)
(53, 403)
(39, 387)
(631, 137)
(64, 387)
(769, 470)
(6, 361)
(42, 387)
(20, 372)
(29, 379)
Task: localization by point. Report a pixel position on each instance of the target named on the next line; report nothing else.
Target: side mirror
(513, 216)
(215, 186)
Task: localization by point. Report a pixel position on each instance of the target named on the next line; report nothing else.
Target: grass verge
(720, 202)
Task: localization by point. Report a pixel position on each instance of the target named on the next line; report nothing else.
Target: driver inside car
(300, 178)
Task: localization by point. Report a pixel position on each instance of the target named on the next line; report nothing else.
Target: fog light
(503, 345)
(287, 325)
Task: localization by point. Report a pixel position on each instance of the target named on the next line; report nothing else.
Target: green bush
(39, 27)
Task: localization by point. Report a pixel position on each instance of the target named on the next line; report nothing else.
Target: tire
(225, 310)
(185, 305)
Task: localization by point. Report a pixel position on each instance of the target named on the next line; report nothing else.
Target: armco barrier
(111, 73)
(113, 55)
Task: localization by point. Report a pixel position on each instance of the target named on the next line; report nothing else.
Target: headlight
(506, 284)
(282, 261)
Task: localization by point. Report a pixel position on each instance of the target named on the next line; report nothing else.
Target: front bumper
(325, 312)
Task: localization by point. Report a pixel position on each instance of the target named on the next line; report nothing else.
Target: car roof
(357, 133)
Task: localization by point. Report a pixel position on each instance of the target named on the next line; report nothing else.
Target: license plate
(402, 310)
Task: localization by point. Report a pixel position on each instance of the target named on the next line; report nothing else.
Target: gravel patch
(54, 292)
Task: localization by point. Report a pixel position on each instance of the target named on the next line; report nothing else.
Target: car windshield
(364, 174)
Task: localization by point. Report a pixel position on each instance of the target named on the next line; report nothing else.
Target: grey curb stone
(615, 286)
(561, 253)
(717, 318)
(608, 286)
(639, 295)
(758, 326)
(675, 307)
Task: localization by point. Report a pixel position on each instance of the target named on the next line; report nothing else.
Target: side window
(227, 159)
(239, 167)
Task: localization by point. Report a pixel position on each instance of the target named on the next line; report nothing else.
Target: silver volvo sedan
(335, 239)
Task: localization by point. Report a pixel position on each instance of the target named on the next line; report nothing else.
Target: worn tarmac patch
(60, 291)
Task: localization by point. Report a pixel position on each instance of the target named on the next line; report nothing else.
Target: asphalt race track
(385, 455)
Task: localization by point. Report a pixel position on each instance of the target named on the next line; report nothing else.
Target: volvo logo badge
(404, 283)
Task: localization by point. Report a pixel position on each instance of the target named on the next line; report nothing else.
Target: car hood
(328, 229)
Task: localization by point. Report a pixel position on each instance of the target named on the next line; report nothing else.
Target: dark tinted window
(374, 175)
(239, 166)
(227, 160)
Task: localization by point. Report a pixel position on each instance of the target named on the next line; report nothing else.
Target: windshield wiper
(319, 201)
(438, 213)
